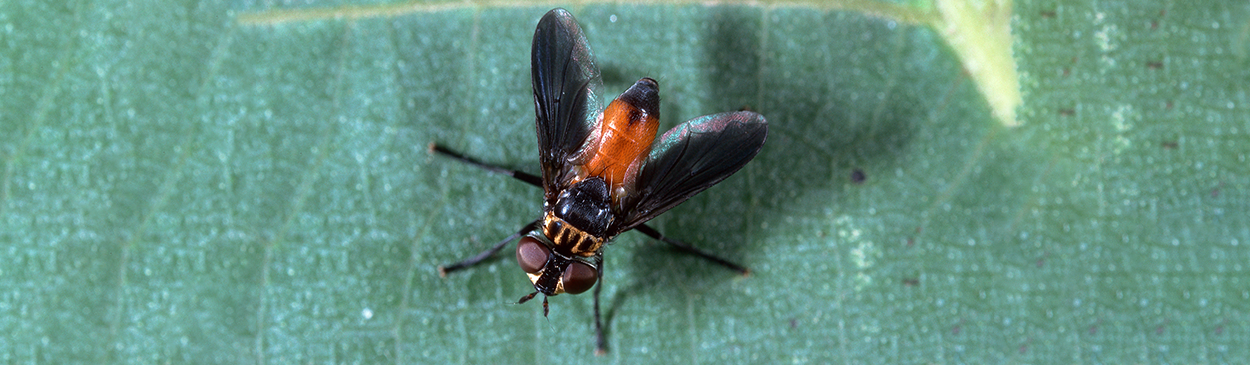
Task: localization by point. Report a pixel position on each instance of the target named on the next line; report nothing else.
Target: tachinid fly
(604, 172)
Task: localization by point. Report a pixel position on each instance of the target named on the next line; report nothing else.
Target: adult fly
(603, 170)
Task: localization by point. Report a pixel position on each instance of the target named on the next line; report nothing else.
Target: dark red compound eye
(578, 277)
(531, 254)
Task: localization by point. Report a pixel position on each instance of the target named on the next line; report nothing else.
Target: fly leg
(443, 270)
(526, 177)
(601, 342)
(523, 176)
(687, 248)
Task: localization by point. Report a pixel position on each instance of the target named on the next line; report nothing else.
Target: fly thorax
(580, 218)
(586, 205)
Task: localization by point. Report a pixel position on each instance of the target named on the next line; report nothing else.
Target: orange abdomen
(624, 141)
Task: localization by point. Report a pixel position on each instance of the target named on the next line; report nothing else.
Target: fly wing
(566, 81)
(690, 158)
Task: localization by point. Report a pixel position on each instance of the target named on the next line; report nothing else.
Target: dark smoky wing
(566, 81)
(690, 158)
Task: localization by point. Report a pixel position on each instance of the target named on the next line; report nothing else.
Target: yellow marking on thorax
(570, 240)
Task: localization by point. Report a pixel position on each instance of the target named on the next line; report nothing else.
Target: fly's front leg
(519, 175)
(443, 270)
(601, 342)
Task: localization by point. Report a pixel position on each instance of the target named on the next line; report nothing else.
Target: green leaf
(193, 182)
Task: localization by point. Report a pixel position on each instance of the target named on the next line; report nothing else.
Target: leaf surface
(237, 183)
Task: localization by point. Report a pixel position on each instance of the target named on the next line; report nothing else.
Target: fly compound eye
(578, 277)
(531, 254)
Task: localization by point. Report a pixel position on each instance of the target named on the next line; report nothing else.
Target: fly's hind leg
(519, 175)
